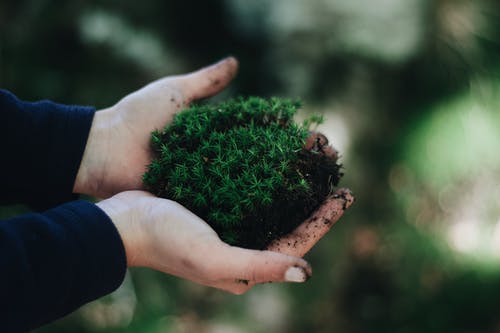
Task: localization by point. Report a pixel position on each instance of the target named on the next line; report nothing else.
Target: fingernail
(295, 274)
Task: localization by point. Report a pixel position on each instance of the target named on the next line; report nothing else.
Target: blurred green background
(410, 91)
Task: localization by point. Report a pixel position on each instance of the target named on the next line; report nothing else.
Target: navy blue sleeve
(42, 144)
(52, 262)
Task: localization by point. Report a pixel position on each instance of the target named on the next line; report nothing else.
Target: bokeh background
(410, 90)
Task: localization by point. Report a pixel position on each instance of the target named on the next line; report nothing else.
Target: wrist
(128, 225)
(91, 171)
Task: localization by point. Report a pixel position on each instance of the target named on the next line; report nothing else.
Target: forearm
(42, 144)
(52, 263)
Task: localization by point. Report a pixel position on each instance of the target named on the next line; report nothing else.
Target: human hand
(118, 148)
(163, 235)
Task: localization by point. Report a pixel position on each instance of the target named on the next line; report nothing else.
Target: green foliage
(226, 162)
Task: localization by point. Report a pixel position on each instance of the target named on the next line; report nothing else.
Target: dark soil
(318, 164)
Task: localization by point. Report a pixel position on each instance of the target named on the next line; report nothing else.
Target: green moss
(237, 165)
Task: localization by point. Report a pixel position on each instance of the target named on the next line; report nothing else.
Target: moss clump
(242, 166)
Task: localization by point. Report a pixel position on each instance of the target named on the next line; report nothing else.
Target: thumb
(208, 81)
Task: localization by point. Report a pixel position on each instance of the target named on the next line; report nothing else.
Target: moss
(242, 166)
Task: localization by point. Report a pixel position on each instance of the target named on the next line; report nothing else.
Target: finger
(240, 286)
(238, 265)
(234, 287)
(305, 236)
(208, 81)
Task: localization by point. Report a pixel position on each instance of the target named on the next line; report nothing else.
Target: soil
(303, 238)
(318, 165)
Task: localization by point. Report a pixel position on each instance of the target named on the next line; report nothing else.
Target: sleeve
(42, 144)
(54, 262)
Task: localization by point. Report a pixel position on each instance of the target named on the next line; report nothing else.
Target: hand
(118, 148)
(163, 235)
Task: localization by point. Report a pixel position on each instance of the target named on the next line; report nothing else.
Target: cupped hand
(163, 235)
(118, 148)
